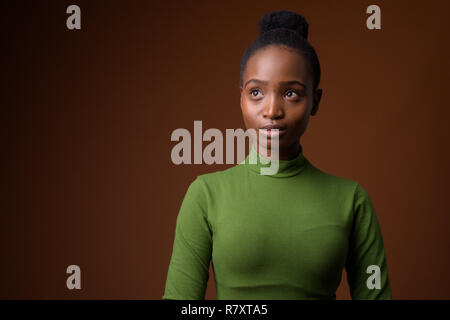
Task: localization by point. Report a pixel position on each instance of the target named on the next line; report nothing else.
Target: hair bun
(283, 19)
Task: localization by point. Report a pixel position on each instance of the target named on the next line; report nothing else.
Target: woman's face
(277, 90)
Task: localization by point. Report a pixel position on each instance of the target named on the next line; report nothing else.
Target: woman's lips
(268, 133)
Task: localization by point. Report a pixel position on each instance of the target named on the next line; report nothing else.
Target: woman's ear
(316, 101)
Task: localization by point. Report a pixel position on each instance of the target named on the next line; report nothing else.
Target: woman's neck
(283, 154)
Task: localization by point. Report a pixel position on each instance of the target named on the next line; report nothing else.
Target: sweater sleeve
(188, 271)
(366, 266)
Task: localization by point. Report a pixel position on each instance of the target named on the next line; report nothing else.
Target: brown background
(87, 115)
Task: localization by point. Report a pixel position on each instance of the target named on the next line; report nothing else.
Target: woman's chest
(291, 238)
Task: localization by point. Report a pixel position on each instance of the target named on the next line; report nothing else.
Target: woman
(290, 234)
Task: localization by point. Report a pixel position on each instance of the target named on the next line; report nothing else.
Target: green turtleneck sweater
(283, 236)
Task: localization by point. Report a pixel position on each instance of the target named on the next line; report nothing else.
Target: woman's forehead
(276, 63)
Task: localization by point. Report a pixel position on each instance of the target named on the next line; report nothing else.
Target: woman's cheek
(248, 121)
(250, 115)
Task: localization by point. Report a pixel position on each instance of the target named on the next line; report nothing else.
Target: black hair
(284, 28)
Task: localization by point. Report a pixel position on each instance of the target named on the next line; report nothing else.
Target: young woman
(290, 234)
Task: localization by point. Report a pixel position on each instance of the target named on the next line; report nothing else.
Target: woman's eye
(254, 92)
(291, 92)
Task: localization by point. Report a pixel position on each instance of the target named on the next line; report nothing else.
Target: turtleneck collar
(286, 168)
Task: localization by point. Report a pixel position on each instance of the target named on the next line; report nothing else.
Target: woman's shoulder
(221, 176)
(217, 181)
(333, 181)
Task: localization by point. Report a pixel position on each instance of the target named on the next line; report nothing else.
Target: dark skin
(278, 100)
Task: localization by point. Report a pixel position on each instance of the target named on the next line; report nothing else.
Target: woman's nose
(273, 109)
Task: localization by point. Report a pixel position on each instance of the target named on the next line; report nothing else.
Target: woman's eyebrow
(256, 81)
(281, 82)
(293, 82)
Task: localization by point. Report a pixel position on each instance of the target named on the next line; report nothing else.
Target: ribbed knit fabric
(282, 236)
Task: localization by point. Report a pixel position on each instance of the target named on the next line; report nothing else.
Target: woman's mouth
(270, 131)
